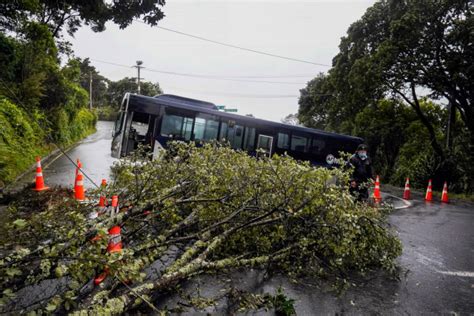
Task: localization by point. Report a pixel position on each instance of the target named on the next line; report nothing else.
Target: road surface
(94, 153)
(437, 264)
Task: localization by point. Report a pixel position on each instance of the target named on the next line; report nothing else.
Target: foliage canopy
(70, 14)
(415, 53)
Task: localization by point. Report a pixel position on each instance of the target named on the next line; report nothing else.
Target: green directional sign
(221, 107)
(230, 110)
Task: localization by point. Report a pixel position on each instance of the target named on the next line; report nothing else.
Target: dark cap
(362, 147)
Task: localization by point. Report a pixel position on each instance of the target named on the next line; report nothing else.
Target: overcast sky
(307, 30)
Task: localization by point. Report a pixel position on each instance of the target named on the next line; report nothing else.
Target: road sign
(221, 107)
(230, 110)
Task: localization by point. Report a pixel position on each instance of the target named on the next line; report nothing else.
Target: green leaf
(51, 307)
(13, 271)
(20, 223)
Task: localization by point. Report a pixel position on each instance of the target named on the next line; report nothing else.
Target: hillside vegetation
(40, 101)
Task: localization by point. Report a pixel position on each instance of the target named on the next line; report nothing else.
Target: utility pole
(90, 90)
(138, 66)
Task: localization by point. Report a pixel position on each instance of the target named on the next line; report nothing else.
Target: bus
(156, 120)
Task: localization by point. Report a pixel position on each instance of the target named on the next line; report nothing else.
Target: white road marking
(436, 265)
(406, 204)
(466, 274)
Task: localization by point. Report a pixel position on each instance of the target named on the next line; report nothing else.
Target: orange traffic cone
(115, 207)
(102, 199)
(406, 193)
(377, 197)
(101, 277)
(115, 245)
(115, 240)
(429, 192)
(79, 166)
(444, 195)
(79, 193)
(39, 177)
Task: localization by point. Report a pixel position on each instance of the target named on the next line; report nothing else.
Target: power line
(239, 47)
(239, 95)
(200, 76)
(216, 76)
(215, 93)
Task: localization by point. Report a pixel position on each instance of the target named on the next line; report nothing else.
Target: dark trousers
(360, 192)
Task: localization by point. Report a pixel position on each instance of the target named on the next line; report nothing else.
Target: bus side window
(299, 143)
(223, 133)
(317, 146)
(239, 135)
(176, 126)
(283, 141)
(232, 133)
(210, 132)
(205, 129)
(249, 141)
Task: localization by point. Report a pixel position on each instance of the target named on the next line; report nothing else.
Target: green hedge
(23, 135)
(21, 139)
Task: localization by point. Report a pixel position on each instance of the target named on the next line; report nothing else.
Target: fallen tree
(219, 208)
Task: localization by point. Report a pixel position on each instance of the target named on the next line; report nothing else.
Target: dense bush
(23, 135)
(21, 139)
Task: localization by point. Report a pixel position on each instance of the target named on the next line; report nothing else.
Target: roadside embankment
(27, 134)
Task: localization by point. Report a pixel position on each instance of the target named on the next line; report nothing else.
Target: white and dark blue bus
(154, 121)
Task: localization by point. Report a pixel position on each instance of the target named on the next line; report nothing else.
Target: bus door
(264, 145)
(139, 131)
(117, 135)
(119, 128)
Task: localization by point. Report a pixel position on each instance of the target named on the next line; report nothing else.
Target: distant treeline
(107, 94)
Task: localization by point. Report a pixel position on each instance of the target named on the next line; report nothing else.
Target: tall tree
(315, 102)
(405, 48)
(291, 119)
(71, 14)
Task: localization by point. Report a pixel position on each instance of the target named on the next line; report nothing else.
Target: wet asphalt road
(436, 277)
(94, 153)
(438, 256)
(437, 263)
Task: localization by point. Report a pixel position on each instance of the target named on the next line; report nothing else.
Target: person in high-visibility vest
(362, 173)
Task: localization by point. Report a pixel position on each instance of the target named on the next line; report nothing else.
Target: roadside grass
(398, 191)
(459, 196)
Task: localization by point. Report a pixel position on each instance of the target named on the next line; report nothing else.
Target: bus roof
(210, 108)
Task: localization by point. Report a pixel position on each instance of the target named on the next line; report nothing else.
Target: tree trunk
(451, 123)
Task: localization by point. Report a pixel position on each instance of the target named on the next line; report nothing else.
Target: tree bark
(415, 104)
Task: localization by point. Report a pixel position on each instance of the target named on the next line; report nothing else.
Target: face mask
(362, 155)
